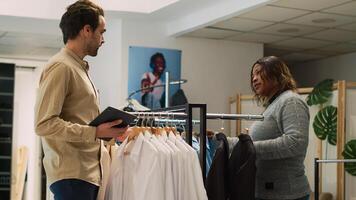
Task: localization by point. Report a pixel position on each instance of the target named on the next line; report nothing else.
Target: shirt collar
(136, 149)
(83, 63)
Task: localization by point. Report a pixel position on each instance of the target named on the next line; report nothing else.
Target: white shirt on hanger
(135, 172)
(176, 162)
(182, 179)
(165, 163)
(195, 179)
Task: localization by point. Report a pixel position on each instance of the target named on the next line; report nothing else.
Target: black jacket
(242, 170)
(217, 179)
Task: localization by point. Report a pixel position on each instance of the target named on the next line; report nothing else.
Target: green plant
(321, 92)
(325, 124)
(325, 121)
(350, 153)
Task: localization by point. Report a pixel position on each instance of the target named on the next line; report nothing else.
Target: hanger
(167, 128)
(136, 130)
(134, 105)
(222, 129)
(173, 125)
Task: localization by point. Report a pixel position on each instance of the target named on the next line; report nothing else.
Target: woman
(281, 139)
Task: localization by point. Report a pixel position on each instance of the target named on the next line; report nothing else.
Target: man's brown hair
(79, 14)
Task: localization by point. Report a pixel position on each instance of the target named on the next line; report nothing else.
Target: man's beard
(94, 52)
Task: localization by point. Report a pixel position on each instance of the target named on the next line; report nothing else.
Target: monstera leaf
(325, 124)
(350, 153)
(321, 92)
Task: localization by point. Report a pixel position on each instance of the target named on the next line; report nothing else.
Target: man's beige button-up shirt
(66, 102)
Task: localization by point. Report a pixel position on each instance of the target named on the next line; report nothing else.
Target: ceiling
(296, 30)
(29, 45)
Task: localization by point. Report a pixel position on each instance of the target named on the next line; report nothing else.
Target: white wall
(341, 67)
(214, 69)
(105, 68)
(23, 132)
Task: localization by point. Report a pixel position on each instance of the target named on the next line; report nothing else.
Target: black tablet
(111, 114)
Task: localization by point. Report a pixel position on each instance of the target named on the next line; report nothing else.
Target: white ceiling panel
(269, 51)
(44, 51)
(344, 9)
(257, 38)
(322, 20)
(297, 57)
(274, 14)
(2, 33)
(30, 39)
(333, 35)
(342, 48)
(322, 52)
(302, 43)
(14, 50)
(309, 4)
(350, 27)
(241, 24)
(289, 29)
(212, 33)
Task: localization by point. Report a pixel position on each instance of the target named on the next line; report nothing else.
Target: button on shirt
(66, 103)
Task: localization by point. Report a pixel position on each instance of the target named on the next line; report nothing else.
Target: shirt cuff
(89, 134)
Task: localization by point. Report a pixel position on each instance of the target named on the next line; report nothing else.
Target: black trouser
(74, 189)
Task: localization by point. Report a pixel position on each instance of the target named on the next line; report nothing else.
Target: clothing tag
(269, 185)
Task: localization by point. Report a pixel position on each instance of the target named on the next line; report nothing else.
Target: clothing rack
(186, 112)
(208, 115)
(316, 171)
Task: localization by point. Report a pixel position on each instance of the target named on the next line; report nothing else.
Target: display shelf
(6, 78)
(6, 125)
(7, 83)
(6, 94)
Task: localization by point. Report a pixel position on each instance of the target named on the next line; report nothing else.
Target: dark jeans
(301, 198)
(74, 189)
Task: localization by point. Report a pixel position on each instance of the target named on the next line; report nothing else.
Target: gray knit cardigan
(281, 142)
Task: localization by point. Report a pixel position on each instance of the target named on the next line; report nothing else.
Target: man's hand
(107, 130)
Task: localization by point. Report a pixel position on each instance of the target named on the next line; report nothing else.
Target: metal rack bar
(202, 156)
(337, 161)
(316, 171)
(167, 90)
(208, 115)
(174, 121)
(177, 82)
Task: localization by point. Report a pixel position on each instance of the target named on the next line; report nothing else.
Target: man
(67, 101)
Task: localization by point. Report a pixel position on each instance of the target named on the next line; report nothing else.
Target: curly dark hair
(79, 14)
(154, 57)
(274, 69)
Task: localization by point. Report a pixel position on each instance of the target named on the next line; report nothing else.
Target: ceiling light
(288, 30)
(323, 20)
